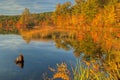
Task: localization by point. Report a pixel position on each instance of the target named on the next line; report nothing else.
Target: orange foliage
(61, 72)
(0, 25)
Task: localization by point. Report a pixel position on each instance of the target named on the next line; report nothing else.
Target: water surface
(38, 55)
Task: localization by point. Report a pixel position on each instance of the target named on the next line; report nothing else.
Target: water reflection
(99, 58)
(37, 56)
(20, 61)
(68, 41)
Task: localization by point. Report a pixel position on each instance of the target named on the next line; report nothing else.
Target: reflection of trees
(86, 46)
(76, 54)
(100, 59)
(27, 39)
(106, 58)
(62, 44)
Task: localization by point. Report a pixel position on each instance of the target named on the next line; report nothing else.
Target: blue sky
(14, 7)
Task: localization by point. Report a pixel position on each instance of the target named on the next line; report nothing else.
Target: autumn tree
(102, 3)
(62, 13)
(89, 9)
(62, 9)
(26, 19)
(76, 9)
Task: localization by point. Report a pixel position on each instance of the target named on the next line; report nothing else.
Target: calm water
(37, 57)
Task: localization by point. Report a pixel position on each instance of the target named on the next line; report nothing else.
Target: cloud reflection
(10, 42)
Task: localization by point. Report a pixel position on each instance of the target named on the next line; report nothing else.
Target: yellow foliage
(109, 16)
(62, 72)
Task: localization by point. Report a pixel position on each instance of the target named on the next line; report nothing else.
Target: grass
(84, 71)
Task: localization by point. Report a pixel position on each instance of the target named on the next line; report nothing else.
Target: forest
(81, 14)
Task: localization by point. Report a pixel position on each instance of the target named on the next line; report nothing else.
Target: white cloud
(36, 6)
(10, 5)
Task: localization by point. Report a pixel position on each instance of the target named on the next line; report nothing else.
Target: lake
(38, 56)
(50, 56)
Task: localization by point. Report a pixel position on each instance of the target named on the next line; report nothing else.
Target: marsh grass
(83, 71)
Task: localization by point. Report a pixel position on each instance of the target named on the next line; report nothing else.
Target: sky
(16, 7)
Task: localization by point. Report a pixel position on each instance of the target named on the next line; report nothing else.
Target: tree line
(83, 14)
(26, 20)
(79, 14)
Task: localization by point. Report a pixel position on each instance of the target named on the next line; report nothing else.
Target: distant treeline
(25, 21)
(82, 13)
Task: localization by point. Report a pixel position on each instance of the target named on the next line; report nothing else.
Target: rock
(20, 59)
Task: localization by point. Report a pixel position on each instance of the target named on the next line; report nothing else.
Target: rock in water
(19, 59)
